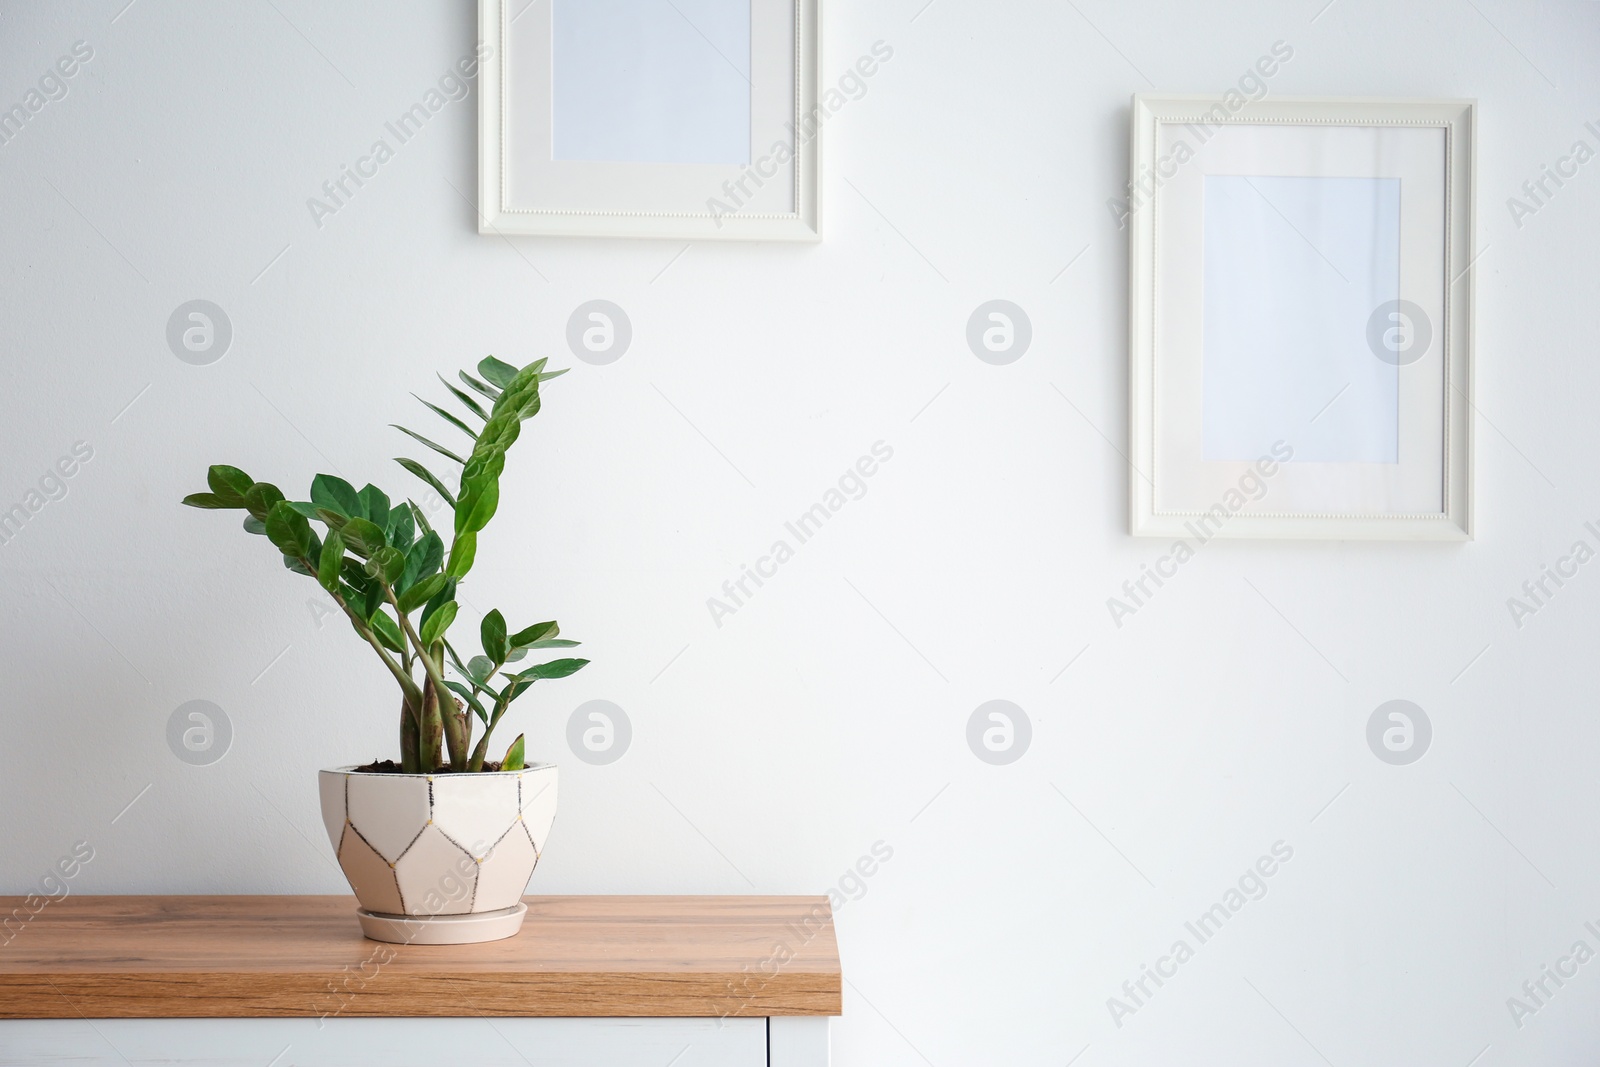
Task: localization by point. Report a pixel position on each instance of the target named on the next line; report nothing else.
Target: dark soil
(389, 766)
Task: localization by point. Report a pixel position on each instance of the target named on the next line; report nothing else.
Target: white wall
(830, 712)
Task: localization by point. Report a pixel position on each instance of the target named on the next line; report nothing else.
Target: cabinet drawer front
(385, 1042)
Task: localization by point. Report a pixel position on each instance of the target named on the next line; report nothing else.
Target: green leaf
(515, 688)
(295, 564)
(333, 519)
(556, 668)
(488, 460)
(435, 625)
(261, 498)
(517, 655)
(522, 389)
(472, 701)
(423, 559)
(373, 598)
(388, 631)
(480, 669)
(516, 756)
(462, 553)
(363, 537)
(483, 507)
(375, 505)
(470, 404)
(493, 633)
(422, 520)
(305, 507)
(254, 525)
(387, 563)
(440, 599)
(497, 371)
(354, 571)
(447, 417)
(229, 484)
(426, 475)
(209, 501)
(421, 593)
(480, 387)
(358, 597)
(336, 494)
(443, 451)
(330, 564)
(289, 531)
(539, 631)
(553, 374)
(474, 482)
(402, 528)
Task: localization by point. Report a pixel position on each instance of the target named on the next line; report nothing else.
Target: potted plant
(439, 844)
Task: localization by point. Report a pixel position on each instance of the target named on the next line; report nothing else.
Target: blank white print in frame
(1305, 332)
(643, 81)
(1295, 269)
(1294, 292)
(630, 118)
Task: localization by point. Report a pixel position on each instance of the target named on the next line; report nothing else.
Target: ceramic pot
(439, 859)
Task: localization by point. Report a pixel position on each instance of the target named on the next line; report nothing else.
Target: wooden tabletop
(276, 956)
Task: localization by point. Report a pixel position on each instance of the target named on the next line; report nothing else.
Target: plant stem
(475, 764)
(431, 730)
(482, 751)
(464, 742)
(450, 726)
(444, 701)
(410, 753)
(433, 670)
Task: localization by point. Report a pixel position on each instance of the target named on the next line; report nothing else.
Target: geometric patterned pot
(439, 858)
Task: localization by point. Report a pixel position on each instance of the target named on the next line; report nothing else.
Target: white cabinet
(345, 1042)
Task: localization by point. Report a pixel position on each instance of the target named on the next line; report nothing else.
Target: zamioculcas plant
(396, 579)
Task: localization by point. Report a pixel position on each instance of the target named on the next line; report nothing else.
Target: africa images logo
(1251, 488)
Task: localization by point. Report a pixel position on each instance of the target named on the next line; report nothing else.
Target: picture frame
(593, 123)
(1261, 232)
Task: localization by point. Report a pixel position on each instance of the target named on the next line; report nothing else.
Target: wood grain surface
(295, 956)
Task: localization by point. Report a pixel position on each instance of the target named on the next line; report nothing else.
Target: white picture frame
(524, 188)
(1237, 318)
